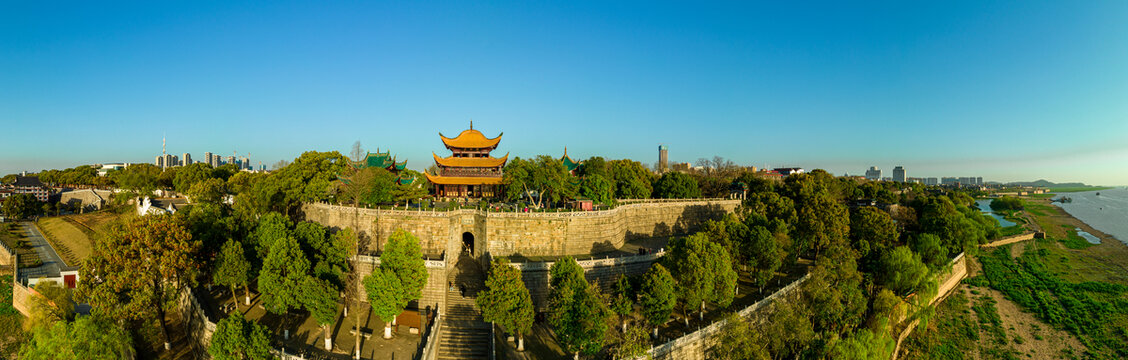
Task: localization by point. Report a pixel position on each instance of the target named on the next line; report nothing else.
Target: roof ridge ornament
(471, 124)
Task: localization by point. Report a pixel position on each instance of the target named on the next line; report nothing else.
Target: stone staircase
(465, 335)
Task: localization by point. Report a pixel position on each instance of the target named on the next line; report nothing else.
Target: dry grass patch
(72, 244)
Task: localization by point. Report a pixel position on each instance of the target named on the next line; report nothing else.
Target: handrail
(430, 348)
(507, 214)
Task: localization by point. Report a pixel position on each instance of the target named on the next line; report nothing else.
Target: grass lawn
(1078, 189)
(72, 244)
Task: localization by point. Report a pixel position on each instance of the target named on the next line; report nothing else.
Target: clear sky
(1016, 90)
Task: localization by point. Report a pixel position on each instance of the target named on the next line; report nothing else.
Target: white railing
(375, 261)
(590, 263)
(518, 214)
(431, 347)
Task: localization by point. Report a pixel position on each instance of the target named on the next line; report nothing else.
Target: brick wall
(526, 234)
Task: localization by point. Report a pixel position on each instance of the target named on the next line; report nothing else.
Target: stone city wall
(947, 281)
(525, 234)
(1009, 240)
(21, 297)
(6, 255)
(601, 272)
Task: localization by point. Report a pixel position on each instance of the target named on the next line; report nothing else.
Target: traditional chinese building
(383, 160)
(569, 164)
(469, 171)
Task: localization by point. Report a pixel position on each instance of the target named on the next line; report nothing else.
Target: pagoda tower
(469, 171)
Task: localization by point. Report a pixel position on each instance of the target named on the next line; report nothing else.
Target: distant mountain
(1047, 184)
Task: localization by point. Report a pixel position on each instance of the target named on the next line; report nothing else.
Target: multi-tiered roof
(469, 171)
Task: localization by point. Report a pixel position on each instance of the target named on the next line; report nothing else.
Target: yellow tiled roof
(471, 162)
(471, 139)
(459, 180)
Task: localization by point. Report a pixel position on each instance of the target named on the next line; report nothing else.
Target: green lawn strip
(1096, 312)
(1078, 189)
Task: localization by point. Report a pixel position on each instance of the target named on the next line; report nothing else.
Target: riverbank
(1111, 255)
(1048, 298)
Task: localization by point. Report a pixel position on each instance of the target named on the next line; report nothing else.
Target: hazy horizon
(1005, 91)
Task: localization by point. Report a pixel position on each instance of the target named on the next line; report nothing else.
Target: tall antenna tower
(163, 135)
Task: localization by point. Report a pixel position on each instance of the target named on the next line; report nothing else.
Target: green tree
(931, 252)
(864, 345)
(676, 185)
(704, 273)
(582, 326)
(331, 256)
(739, 341)
(943, 218)
(834, 292)
(404, 258)
(232, 269)
(319, 297)
(167, 178)
(902, 271)
(506, 301)
(21, 206)
(283, 272)
(634, 345)
(657, 296)
(1006, 203)
(137, 270)
(190, 175)
(598, 189)
(237, 338)
(873, 233)
(51, 303)
(141, 178)
(269, 229)
(594, 165)
(87, 338)
(577, 313)
(544, 176)
(622, 300)
(210, 191)
(764, 255)
(822, 222)
(385, 294)
(631, 178)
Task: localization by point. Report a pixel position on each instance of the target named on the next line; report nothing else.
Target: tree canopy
(676, 185)
(283, 272)
(506, 300)
(237, 338)
(87, 338)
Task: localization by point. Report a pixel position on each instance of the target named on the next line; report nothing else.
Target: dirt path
(1025, 333)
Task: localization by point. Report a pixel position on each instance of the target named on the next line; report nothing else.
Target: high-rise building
(949, 180)
(187, 159)
(979, 180)
(230, 159)
(159, 162)
(663, 158)
(209, 158)
(873, 173)
(899, 174)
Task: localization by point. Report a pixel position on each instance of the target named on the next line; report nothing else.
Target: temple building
(383, 160)
(469, 171)
(569, 164)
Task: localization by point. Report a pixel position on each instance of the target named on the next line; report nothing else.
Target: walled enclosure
(524, 234)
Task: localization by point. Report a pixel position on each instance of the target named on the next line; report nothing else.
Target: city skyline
(1010, 92)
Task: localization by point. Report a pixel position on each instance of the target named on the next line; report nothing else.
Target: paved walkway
(52, 263)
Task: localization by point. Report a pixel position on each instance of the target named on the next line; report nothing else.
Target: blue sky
(1005, 90)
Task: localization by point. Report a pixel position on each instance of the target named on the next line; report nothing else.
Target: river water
(1107, 212)
(984, 206)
